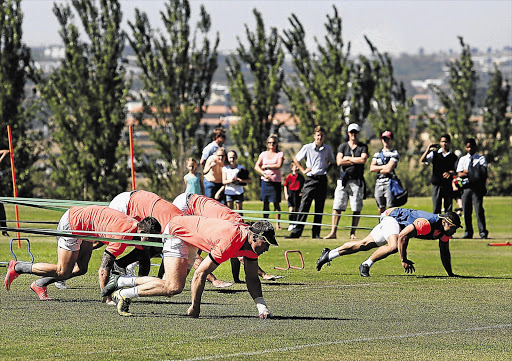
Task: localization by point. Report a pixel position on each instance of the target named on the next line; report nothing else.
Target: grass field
(330, 315)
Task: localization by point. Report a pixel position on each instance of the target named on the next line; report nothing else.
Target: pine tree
(255, 103)
(177, 70)
(87, 96)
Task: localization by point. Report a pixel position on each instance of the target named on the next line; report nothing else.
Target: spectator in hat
(384, 164)
(351, 158)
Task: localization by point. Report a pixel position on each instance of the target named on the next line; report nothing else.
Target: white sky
(393, 26)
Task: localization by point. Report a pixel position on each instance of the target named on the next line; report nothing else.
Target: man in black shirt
(443, 169)
(351, 158)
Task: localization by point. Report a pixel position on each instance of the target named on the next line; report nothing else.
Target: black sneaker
(292, 235)
(364, 270)
(484, 234)
(324, 258)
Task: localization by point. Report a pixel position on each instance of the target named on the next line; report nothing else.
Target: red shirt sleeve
(444, 238)
(116, 249)
(422, 226)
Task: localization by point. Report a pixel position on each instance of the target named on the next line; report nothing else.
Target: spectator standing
(3, 216)
(269, 165)
(318, 158)
(443, 169)
(473, 168)
(351, 158)
(384, 164)
(193, 182)
(219, 138)
(213, 172)
(293, 192)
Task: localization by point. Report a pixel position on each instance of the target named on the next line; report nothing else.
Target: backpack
(477, 176)
(399, 195)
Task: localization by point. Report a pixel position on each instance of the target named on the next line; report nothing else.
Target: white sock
(126, 281)
(368, 262)
(130, 292)
(333, 254)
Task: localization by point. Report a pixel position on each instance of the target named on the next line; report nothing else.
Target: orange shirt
(221, 238)
(199, 205)
(103, 219)
(144, 204)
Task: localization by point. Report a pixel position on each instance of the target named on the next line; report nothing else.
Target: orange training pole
(131, 156)
(13, 172)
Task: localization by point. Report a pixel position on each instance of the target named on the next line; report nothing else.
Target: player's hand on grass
(194, 311)
(408, 266)
(265, 315)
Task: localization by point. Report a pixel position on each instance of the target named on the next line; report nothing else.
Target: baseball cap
(353, 126)
(452, 218)
(264, 229)
(387, 134)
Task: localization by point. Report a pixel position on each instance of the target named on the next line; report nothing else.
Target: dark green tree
(16, 109)
(497, 133)
(87, 96)
(177, 70)
(255, 103)
(319, 89)
(458, 101)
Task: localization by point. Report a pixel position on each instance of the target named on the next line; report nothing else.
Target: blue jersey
(427, 225)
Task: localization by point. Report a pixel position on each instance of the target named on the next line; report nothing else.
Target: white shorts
(120, 202)
(175, 247)
(388, 226)
(68, 243)
(342, 194)
(181, 202)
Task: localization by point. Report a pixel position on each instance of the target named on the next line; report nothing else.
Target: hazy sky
(393, 26)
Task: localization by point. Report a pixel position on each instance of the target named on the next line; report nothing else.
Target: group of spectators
(462, 180)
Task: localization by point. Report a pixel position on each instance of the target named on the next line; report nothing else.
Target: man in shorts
(222, 240)
(392, 234)
(351, 158)
(73, 254)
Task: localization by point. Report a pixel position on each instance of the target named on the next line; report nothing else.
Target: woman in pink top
(269, 166)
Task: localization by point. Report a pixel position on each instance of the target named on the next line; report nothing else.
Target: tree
(87, 96)
(15, 109)
(176, 78)
(255, 103)
(391, 106)
(319, 89)
(458, 101)
(497, 133)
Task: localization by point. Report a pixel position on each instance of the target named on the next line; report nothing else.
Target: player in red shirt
(222, 239)
(392, 234)
(73, 254)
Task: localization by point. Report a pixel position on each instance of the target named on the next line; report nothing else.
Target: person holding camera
(443, 169)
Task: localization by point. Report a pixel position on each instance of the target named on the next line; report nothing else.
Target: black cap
(264, 229)
(452, 218)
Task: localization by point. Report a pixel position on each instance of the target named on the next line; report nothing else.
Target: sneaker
(364, 270)
(61, 285)
(123, 303)
(292, 236)
(118, 270)
(291, 227)
(130, 269)
(324, 258)
(11, 274)
(40, 291)
(111, 286)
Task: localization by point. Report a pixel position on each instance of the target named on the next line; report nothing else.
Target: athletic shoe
(123, 303)
(40, 291)
(324, 258)
(364, 270)
(61, 285)
(11, 274)
(111, 286)
(130, 269)
(291, 227)
(118, 270)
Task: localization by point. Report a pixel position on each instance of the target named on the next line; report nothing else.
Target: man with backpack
(473, 167)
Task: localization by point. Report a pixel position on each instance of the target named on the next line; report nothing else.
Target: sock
(45, 281)
(368, 262)
(126, 281)
(23, 267)
(333, 254)
(130, 292)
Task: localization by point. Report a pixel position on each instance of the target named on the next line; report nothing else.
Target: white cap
(353, 126)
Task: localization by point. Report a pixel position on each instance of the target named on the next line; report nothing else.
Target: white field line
(330, 343)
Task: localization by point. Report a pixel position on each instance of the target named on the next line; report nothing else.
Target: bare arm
(444, 248)
(197, 285)
(428, 150)
(302, 170)
(258, 168)
(253, 283)
(403, 242)
(3, 153)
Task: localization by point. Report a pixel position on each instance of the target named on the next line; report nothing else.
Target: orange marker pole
(15, 188)
(131, 156)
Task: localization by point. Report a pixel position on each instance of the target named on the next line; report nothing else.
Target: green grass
(330, 315)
